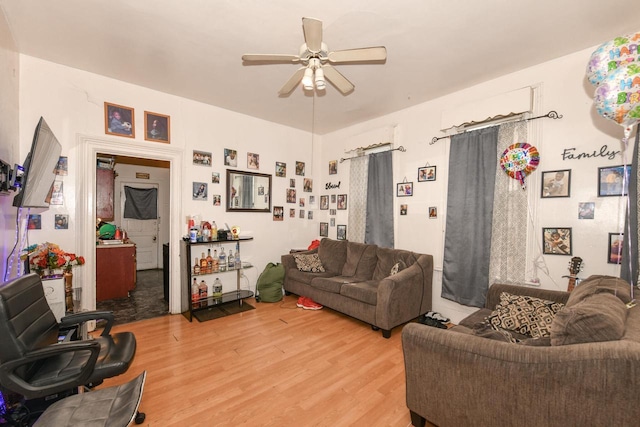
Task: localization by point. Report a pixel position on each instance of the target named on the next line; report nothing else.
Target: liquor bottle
(216, 289)
(214, 231)
(195, 291)
(215, 262)
(203, 264)
(202, 289)
(196, 267)
(238, 263)
(222, 261)
(209, 261)
(231, 260)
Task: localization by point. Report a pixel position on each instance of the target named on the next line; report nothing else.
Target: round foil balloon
(519, 160)
(612, 55)
(618, 96)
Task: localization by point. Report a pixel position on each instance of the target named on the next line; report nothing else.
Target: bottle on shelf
(214, 231)
(209, 261)
(215, 262)
(238, 263)
(196, 267)
(231, 260)
(222, 261)
(195, 291)
(203, 264)
(202, 289)
(216, 288)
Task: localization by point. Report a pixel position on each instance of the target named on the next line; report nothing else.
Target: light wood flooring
(277, 365)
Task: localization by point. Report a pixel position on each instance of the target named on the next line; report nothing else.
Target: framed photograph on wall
(230, 157)
(612, 180)
(403, 209)
(253, 161)
(342, 202)
(199, 190)
(119, 120)
(404, 189)
(61, 222)
(427, 173)
(201, 158)
(156, 127)
(278, 213)
(341, 232)
(433, 212)
(333, 167)
(324, 229)
(281, 169)
(616, 241)
(556, 241)
(324, 203)
(556, 183)
(300, 168)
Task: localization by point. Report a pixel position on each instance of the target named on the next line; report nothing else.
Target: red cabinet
(105, 180)
(115, 271)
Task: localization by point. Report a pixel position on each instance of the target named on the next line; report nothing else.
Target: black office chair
(32, 361)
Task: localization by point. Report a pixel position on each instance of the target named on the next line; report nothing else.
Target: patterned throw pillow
(309, 263)
(398, 267)
(525, 315)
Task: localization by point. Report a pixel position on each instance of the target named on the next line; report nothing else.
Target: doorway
(89, 148)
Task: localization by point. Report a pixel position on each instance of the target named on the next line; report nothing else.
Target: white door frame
(88, 148)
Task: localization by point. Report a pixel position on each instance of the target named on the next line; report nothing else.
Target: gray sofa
(357, 281)
(585, 373)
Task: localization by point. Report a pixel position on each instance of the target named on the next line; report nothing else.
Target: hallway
(145, 302)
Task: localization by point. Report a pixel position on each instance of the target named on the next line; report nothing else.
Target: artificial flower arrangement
(49, 256)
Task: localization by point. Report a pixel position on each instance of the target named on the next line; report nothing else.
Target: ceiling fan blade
(292, 82)
(378, 53)
(312, 33)
(270, 57)
(337, 79)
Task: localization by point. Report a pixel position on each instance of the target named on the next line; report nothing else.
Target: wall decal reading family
(568, 154)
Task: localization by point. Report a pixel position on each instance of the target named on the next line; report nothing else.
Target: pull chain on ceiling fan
(317, 59)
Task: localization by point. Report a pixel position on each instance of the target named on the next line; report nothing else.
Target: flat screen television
(39, 169)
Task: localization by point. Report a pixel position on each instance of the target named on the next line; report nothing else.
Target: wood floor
(277, 365)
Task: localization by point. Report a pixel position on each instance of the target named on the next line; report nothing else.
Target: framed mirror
(248, 191)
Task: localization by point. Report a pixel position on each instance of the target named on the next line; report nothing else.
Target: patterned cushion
(398, 267)
(308, 263)
(525, 315)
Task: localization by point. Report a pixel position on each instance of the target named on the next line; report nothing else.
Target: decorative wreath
(519, 160)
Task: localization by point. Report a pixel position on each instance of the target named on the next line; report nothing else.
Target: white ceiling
(193, 48)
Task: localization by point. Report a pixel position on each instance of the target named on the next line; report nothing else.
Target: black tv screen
(39, 169)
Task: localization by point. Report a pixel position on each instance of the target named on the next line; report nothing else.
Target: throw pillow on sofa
(310, 263)
(524, 314)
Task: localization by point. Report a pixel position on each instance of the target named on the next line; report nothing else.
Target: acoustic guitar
(575, 266)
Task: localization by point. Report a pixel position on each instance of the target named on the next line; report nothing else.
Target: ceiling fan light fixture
(307, 80)
(320, 82)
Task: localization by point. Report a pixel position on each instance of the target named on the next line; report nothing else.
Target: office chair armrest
(17, 384)
(86, 316)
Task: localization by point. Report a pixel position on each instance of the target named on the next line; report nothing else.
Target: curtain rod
(400, 148)
(550, 115)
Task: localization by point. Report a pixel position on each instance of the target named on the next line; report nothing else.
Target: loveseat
(586, 372)
(380, 286)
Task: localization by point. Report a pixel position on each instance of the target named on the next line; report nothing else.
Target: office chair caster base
(140, 417)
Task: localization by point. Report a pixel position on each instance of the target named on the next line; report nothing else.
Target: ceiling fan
(316, 60)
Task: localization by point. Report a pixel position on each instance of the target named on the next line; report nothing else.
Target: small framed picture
(302, 213)
(291, 195)
(62, 167)
(427, 173)
(616, 243)
(333, 212)
(307, 185)
(292, 213)
(35, 222)
(300, 168)
(201, 158)
(556, 183)
(199, 190)
(302, 202)
(586, 210)
(333, 198)
(312, 200)
(119, 120)
(324, 203)
(156, 127)
(61, 222)
(332, 222)
(433, 212)
(215, 177)
(613, 181)
(230, 157)
(342, 232)
(404, 189)
(216, 198)
(333, 167)
(324, 229)
(403, 209)
(253, 161)
(281, 169)
(278, 213)
(310, 214)
(57, 195)
(292, 182)
(557, 241)
(342, 202)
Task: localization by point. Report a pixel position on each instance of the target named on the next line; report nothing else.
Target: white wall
(562, 87)
(9, 135)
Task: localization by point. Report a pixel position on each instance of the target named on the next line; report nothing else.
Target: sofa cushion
(387, 258)
(330, 284)
(361, 260)
(303, 276)
(476, 317)
(333, 254)
(600, 284)
(308, 263)
(525, 315)
(366, 292)
(598, 317)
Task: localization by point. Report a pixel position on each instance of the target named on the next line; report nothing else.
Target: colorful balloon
(519, 160)
(618, 96)
(612, 55)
